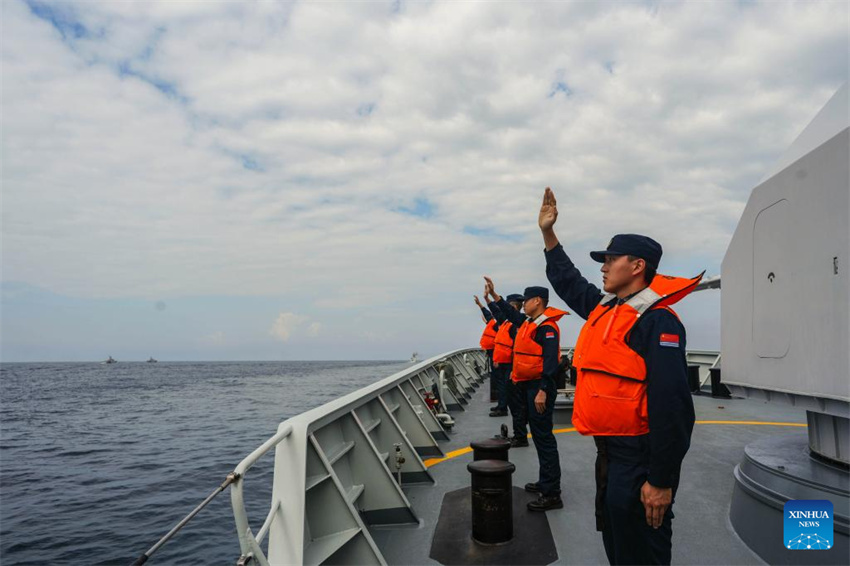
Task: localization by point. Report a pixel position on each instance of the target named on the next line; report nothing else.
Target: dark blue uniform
(499, 375)
(487, 318)
(626, 462)
(502, 374)
(541, 424)
(514, 399)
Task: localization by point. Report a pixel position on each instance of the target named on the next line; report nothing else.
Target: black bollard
(693, 378)
(718, 390)
(490, 449)
(492, 501)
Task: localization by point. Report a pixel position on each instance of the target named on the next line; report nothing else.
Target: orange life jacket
(504, 350)
(528, 354)
(488, 338)
(610, 397)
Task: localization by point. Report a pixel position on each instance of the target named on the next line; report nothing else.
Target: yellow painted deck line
(560, 430)
(453, 454)
(460, 452)
(757, 423)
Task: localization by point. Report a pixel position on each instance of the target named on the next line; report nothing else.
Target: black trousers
(491, 372)
(502, 375)
(544, 439)
(622, 466)
(517, 405)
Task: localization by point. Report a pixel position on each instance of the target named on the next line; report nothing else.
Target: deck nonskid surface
(701, 530)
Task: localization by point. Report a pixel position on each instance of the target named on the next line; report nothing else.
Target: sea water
(97, 461)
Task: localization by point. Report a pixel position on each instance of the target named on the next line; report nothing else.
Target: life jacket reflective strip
(528, 354)
(504, 349)
(488, 337)
(610, 397)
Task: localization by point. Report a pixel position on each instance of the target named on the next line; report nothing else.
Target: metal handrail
(234, 480)
(248, 543)
(307, 422)
(248, 462)
(268, 523)
(231, 477)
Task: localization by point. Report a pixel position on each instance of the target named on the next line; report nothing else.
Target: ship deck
(702, 532)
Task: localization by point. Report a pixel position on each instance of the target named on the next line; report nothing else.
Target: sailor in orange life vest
(503, 359)
(500, 377)
(497, 372)
(632, 394)
(537, 353)
(488, 337)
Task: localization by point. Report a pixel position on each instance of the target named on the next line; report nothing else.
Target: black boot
(532, 487)
(499, 413)
(546, 502)
(519, 442)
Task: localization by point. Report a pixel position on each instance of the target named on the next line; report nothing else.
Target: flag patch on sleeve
(550, 335)
(669, 340)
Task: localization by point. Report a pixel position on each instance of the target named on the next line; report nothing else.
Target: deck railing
(339, 468)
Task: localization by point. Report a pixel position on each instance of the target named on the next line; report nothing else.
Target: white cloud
(287, 324)
(266, 149)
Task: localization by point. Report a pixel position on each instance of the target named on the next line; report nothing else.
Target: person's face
(533, 306)
(517, 305)
(619, 272)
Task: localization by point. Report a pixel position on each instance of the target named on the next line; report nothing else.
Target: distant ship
(111, 360)
(414, 357)
(151, 360)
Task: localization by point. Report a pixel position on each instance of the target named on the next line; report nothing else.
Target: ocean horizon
(100, 460)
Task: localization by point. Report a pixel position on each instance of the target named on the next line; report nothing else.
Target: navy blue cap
(531, 292)
(643, 247)
(514, 297)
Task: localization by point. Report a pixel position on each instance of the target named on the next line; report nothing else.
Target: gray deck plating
(702, 533)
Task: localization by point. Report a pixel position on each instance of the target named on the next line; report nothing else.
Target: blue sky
(226, 181)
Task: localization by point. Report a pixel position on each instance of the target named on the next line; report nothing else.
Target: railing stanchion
(231, 477)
